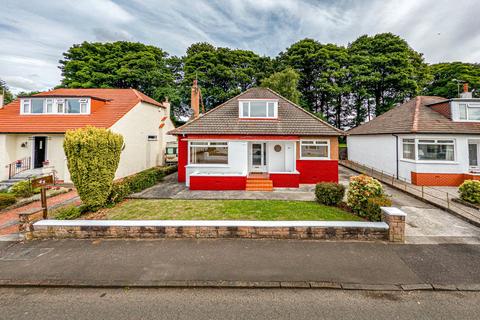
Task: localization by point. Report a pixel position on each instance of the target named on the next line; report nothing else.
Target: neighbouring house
(255, 141)
(32, 129)
(429, 141)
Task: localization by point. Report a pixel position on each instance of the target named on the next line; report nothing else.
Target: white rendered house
(429, 141)
(32, 129)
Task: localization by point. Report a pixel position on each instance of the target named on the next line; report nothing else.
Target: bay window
(314, 149)
(208, 152)
(258, 109)
(429, 149)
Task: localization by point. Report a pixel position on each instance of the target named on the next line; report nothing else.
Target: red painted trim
(285, 180)
(440, 179)
(240, 137)
(315, 171)
(182, 158)
(217, 183)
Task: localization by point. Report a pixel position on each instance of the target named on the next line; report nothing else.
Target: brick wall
(438, 179)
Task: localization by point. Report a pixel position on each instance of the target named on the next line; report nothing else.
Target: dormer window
(55, 106)
(258, 108)
(469, 111)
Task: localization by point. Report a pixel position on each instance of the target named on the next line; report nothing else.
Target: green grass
(226, 210)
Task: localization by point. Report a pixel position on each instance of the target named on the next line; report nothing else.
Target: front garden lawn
(225, 210)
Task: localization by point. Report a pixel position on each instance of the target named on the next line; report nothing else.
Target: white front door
(258, 157)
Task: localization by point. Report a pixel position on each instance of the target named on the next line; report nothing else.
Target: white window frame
(467, 107)
(313, 142)
(208, 144)
(411, 142)
(435, 141)
(85, 105)
(248, 101)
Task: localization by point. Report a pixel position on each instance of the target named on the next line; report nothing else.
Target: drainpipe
(396, 152)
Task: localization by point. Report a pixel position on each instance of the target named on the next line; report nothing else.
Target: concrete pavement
(200, 304)
(155, 262)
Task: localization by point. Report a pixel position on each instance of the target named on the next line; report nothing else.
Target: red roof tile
(107, 107)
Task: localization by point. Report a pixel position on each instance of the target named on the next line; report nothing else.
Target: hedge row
(137, 182)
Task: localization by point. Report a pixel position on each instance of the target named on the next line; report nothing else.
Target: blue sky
(35, 33)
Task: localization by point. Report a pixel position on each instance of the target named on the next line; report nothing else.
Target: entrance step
(259, 183)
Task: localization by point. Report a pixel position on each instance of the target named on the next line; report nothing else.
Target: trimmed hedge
(138, 182)
(329, 193)
(6, 200)
(68, 213)
(24, 189)
(93, 155)
(470, 191)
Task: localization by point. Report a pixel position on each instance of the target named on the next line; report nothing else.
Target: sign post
(43, 182)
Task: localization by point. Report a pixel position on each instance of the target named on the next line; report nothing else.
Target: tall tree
(448, 77)
(284, 82)
(7, 95)
(221, 72)
(118, 64)
(391, 71)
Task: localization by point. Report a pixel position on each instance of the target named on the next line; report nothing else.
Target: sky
(35, 33)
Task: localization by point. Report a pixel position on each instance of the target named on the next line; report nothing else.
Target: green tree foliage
(387, 69)
(8, 96)
(119, 64)
(93, 155)
(444, 75)
(221, 72)
(285, 83)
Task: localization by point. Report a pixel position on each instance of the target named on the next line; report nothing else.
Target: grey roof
(415, 116)
(292, 119)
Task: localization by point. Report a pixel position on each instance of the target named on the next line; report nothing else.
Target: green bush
(24, 189)
(93, 155)
(329, 193)
(372, 208)
(67, 213)
(360, 190)
(120, 190)
(470, 191)
(6, 200)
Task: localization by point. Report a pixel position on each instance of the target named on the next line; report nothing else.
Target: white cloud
(34, 34)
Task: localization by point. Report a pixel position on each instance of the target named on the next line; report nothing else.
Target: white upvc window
(426, 149)
(314, 149)
(55, 106)
(469, 111)
(208, 153)
(258, 108)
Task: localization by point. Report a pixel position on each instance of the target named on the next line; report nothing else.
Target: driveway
(426, 224)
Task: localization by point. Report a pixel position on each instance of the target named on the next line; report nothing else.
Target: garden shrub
(329, 193)
(93, 155)
(470, 191)
(372, 208)
(67, 213)
(362, 188)
(147, 178)
(120, 190)
(6, 200)
(24, 189)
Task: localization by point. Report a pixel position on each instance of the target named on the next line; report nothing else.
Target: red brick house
(257, 140)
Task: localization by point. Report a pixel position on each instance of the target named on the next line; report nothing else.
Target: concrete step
(260, 185)
(258, 189)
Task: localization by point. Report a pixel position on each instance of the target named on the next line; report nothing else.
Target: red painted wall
(217, 183)
(314, 171)
(182, 158)
(282, 180)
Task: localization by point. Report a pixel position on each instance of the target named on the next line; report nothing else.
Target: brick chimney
(466, 94)
(166, 104)
(195, 101)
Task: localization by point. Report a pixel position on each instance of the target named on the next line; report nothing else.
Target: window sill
(301, 158)
(429, 161)
(207, 166)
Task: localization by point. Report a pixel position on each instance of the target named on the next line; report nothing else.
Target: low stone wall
(26, 219)
(317, 230)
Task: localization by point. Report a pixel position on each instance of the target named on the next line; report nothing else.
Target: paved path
(9, 219)
(119, 304)
(171, 189)
(425, 223)
(147, 262)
